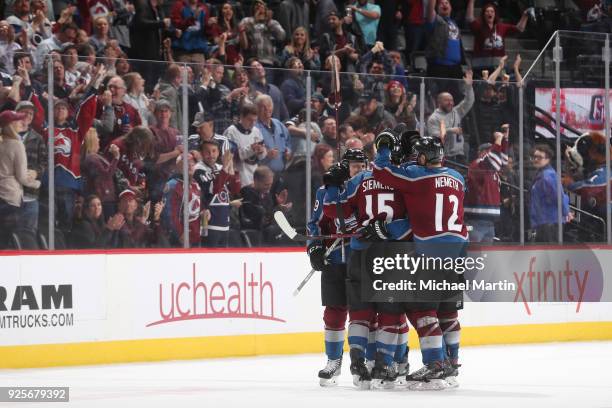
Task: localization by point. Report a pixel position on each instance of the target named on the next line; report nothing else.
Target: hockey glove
(387, 139)
(336, 175)
(316, 252)
(375, 232)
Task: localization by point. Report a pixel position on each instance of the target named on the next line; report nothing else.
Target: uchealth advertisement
(46, 299)
(186, 295)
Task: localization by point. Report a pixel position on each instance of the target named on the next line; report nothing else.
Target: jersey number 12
(452, 220)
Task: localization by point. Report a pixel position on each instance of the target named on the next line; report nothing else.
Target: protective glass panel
(582, 95)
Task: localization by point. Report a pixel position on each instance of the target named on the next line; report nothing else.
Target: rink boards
(91, 308)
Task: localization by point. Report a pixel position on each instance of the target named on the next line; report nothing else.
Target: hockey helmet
(354, 155)
(430, 147)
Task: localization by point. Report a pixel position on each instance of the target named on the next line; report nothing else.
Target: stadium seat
(23, 240)
(42, 241)
(250, 237)
(419, 62)
(234, 239)
(60, 240)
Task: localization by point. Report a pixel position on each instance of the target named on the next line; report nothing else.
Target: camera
(37, 39)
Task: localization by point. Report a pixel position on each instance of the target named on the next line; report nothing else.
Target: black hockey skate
(451, 372)
(383, 375)
(328, 377)
(429, 377)
(361, 376)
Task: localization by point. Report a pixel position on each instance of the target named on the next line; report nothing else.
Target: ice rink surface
(576, 375)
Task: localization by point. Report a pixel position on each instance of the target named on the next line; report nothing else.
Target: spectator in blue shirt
(367, 16)
(444, 50)
(275, 135)
(543, 203)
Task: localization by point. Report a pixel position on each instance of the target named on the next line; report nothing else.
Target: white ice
(556, 375)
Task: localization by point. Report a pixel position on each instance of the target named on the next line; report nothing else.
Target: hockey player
(333, 275)
(367, 201)
(433, 196)
(403, 154)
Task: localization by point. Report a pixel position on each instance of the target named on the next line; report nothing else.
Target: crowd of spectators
(119, 68)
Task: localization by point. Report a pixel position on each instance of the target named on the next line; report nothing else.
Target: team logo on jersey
(453, 31)
(223, 197)
(495, 41)
(194, 207)
(63, 145)
(99, 9)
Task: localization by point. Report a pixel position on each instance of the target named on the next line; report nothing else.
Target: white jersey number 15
(381, 206)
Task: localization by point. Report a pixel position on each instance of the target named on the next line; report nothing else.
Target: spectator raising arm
(466, 104)
(228, 175)
(495, 74)
(378, 51)
(106, 121)
(372, 14)
(242, 36)
(87, 108)
(469, 12)
(431, 11)
(14, 92)
(517, 70)
(522, 23)
(276, 29)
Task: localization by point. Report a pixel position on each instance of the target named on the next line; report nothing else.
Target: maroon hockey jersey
(483, 198)
(68, 138)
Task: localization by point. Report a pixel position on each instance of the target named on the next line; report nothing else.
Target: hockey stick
(284, 225)
(312, 271)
